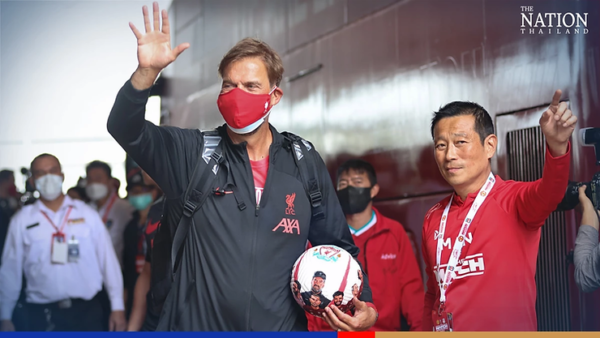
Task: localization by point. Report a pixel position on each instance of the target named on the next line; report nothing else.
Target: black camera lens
(594, 190)
(571, 199)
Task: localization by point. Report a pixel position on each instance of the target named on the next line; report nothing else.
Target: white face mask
(96, 191)
(49, 186)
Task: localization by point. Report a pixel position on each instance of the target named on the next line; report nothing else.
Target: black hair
(338, 293)
(484, 126)
(42, 156)
(360, 166)
(80, 191)
(6, 175)
(99, 164)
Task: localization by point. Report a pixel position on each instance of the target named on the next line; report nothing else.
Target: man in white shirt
(114, 212)
(65, 253)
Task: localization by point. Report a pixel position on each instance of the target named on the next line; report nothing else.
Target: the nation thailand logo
(534, 22)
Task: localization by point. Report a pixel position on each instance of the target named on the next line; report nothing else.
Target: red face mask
(244, 112)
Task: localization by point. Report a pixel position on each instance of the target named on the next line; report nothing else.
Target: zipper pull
(256, 212)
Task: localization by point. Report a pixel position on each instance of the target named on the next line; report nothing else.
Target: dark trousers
(81, 315)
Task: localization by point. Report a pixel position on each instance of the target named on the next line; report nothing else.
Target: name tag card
(59, 249)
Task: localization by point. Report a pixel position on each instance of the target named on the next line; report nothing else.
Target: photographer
(587, 249)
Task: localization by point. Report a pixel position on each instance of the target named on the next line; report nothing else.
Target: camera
(591, 137)
(28, 197)
(571, 198)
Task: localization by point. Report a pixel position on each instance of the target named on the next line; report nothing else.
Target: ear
(276, 96)
(490, 143)
(374, 190)
(63, 176)
(32, 182)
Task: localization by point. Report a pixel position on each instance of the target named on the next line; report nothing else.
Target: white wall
(61, 65)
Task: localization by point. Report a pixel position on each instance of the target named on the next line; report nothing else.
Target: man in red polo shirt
(480, 244)
(386, 253)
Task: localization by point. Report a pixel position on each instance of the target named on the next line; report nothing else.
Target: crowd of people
(71, 261)
(204, 210)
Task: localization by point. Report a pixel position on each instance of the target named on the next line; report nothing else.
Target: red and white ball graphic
(326, 275)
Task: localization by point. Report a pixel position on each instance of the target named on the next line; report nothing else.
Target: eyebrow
(460, 134)
(249, 83)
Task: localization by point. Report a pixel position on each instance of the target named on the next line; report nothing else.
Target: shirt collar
(67, 202)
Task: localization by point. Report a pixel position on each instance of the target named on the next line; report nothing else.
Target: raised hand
(558, 123)
(154, 48)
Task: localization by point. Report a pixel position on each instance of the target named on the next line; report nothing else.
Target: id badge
(442, 322)
(59, 249)
(73, 250)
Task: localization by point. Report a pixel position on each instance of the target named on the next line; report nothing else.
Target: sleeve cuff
(137, 96)
(6, 311)
(549, 154)
(588, 230)
(116, 304)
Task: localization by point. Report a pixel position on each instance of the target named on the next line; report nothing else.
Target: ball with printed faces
(326, 275)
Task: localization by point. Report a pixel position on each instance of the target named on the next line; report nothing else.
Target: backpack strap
(306, 162)
(193, 199)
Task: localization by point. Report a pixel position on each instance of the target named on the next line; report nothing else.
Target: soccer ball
(326, 275)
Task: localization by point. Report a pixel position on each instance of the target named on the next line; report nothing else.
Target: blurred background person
(75, 193)
(141, 195)
(587, 249)
(116, 183)
(65, 252)
(385, 253)
(9, 202)
(114, 212)
(153, 283)
(78, 191)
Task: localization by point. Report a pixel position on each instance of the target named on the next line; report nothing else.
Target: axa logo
(288, 225)
(289, 199)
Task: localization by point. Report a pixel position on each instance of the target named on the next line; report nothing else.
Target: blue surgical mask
(141, 202)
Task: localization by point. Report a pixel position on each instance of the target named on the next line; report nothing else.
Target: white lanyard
(450, 273)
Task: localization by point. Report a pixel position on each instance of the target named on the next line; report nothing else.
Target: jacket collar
(457, 201)
(378, 227)
(239, 153)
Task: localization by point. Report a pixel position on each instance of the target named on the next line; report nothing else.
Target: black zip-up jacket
(235, 269)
